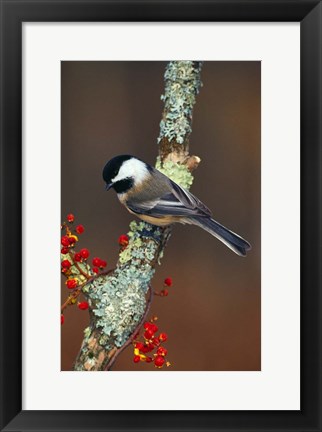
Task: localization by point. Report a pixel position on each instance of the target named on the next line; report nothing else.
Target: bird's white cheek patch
(132, 168)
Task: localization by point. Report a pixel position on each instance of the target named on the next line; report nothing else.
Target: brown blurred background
(212, 314)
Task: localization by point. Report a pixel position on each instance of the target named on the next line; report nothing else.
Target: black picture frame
(13, 14)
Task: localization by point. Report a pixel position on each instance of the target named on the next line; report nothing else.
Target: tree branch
(118, 301)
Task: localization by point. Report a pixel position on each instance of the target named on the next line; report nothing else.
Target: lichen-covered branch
(118, 300)
(182, 83)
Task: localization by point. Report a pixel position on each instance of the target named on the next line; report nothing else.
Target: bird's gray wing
(176, 202)
(189, 200)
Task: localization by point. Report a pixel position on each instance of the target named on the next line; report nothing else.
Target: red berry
(71, 240)
(95, 270)
(155, 341)
(62, 319)
(70, 218)
(78, 257)
(66, 264)
(103, 264)
(71, 283)
(168, 281)
(164, 293)
(144, 349)
(159, 361)
(65, 241)
(163, 337)
(148, 334)
(84, 253)
(80, 229)
(96, 262)
(123, 240)
(153, 328)
(148, 359)
(147, 325)
(64, 250)
(136, 359)
(139, 345)
(162, 351)
(83, 305)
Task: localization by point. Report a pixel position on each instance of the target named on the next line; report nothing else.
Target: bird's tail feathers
(229, 238)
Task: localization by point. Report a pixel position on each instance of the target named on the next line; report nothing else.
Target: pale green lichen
(86, 288)
(119, 299)
(91, 362)
(125, 255)
(182, 83)
(177, 172)
(87, 332)
(129, 252)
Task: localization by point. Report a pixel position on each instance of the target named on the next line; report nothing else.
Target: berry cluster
(152, 345)
(71, 260)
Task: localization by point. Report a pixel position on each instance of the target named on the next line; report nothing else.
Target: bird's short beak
(108, 186)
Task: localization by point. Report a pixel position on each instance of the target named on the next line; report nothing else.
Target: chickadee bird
(154, 198)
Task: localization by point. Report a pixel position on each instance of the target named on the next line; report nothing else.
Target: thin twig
(81, 271)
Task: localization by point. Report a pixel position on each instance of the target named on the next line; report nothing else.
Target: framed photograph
(160, 164)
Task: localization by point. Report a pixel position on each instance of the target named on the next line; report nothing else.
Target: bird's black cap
(112, 167)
